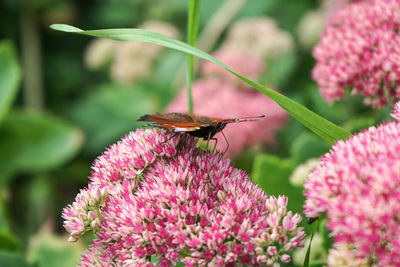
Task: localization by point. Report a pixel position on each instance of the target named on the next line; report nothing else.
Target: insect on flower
(197, 126)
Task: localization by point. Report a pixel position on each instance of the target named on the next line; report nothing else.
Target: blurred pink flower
(169, 199)
(243, 63)
(358, 186)
(360, 50)
(216, 98)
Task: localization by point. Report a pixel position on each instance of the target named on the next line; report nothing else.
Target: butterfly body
(198, 126)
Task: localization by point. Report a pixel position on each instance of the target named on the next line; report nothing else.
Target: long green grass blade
(322, 127)
(193, 27)
(307, 258)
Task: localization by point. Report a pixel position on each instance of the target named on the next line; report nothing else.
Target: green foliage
(359, 124)
(322, 127)
(307, 258)
(278, 70)
(48, 250)
(272, 175)
(9, 242)
(307, 146)
(10, 75)
(34, 141)
(327, 240)
(109, 112)
(13, 259)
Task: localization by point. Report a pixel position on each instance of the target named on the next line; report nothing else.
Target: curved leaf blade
(307, 257)
(10, 76)
(319, 125)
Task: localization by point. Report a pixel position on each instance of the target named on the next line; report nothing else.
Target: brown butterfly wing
(167, 118)
(177, 122)
(198, 126)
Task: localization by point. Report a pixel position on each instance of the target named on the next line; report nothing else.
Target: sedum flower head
(357, 185)
(166, 199)
(360, 50)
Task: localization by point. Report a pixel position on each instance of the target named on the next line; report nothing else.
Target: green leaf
(318, 263)
(272, 175)
(279, 69)
(34, 141)
(48, 249)
(10, 76)
(13, 259)
(4, 224)
(9, 242)
(307, 258)
(38, 194)
(327, 240)
(307, 146)
(109, 112)
(359, 124)
(324, 128)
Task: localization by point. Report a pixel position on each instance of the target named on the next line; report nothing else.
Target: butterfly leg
(175, 134)
(214, 139)
(215, 145)
(227, 143)
(208, 140)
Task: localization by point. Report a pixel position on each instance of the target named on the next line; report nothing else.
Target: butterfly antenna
(252, 118)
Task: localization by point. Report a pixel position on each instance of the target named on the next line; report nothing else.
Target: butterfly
(197, 126)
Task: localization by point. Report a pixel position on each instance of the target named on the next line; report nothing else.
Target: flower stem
(193, 26)
(31, 59)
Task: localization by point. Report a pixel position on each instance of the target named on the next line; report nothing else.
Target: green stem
(308, 254)
(31, 59)
(211, 33)
(193, 27)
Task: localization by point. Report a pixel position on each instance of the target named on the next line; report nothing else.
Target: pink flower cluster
(357, 185)
(168, 201)
(360, 50)
(242, 62)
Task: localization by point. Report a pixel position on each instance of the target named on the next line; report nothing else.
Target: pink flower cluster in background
(242, 62)
(220, 95)
(168, 200)
(357, 185)
(360, 50)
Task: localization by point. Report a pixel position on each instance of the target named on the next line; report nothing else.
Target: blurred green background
(58, 112)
